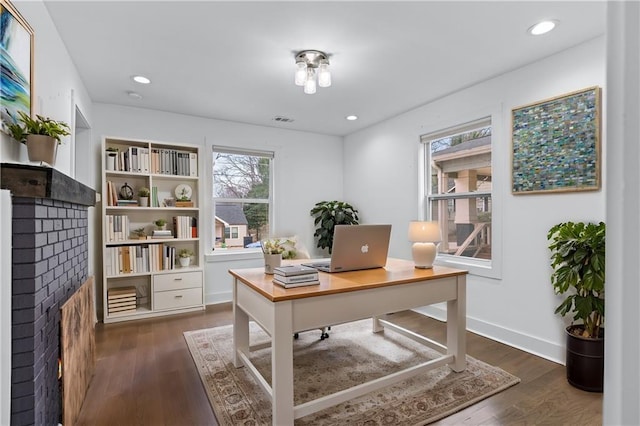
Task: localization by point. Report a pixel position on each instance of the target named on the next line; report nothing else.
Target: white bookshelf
(150, 265)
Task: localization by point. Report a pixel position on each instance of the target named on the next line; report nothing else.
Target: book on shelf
(185, 226)
(119, 292)
(289, 270)
(277, 281)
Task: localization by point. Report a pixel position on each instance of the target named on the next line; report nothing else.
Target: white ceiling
(235, 60)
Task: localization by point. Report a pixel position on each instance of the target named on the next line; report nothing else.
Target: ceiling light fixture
(309, 65)
(542, 27)
(351, 117)
(141, 79)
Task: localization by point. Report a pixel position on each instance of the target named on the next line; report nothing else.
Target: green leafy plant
(160, 223)
(327, 215)
(139, 232)
(578, 262)
(143, 192)
(185, 253)
(38, 126)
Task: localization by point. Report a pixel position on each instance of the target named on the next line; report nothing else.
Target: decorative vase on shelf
(271, 261)
(42, 148)
(185, 261)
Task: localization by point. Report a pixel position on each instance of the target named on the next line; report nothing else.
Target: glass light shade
(542, 27)
(424, 232)
(301, 73)
(324, 76)
(310, 82)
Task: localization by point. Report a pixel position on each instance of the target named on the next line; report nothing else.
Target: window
(241, 197)
(459, 190)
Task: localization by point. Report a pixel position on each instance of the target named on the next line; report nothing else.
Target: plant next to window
(327, 215)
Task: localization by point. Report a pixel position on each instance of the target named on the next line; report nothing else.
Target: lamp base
(423, 255)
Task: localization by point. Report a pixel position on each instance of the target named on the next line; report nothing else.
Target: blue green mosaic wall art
(556, 144)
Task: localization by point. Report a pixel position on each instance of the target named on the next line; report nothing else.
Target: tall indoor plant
(327, 215)
(41, 135)
(578, 262)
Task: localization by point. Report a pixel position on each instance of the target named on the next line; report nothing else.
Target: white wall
(57, 86)
(308, 169)
(518, 308)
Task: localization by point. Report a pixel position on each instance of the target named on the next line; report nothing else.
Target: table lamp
(425, 236)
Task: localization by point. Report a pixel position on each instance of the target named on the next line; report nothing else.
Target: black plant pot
(585, 361)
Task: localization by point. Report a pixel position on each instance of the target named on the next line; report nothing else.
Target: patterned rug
(351, 355)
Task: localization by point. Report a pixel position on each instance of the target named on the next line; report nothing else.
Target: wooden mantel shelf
(44, 182)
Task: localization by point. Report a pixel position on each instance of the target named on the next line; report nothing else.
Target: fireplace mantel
(29, 181)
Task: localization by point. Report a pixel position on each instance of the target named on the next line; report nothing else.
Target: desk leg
(377, 326)
(240, 327)
(282, 364)
(457, 326)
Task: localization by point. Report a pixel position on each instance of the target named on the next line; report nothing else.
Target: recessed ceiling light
(141, 79)
(542, 27)
(134, 95)
(351, 117)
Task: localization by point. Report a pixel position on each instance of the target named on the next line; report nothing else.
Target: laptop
(356, 247)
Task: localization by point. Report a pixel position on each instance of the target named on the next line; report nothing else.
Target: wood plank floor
(145, 376)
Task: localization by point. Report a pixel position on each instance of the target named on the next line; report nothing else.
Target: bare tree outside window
(241, 193)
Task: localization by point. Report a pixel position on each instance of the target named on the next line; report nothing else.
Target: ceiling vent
(281, 119)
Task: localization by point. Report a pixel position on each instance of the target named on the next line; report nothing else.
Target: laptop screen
(358, 247)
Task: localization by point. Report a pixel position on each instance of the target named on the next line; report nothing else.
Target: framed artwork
(556, 144)
(16, 58)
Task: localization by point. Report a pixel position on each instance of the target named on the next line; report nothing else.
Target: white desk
(339, 298)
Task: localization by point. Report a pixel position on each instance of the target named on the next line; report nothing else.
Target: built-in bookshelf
(143, 236)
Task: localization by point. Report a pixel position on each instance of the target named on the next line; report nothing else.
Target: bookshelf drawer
(175, 299)
(177, 281)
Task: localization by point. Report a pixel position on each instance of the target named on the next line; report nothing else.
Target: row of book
(121, 300)
(295, 276)
(118, 228)
(157, 161)
(139, 259)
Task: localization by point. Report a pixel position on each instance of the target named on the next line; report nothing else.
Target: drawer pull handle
(179, 296)
(177, 279)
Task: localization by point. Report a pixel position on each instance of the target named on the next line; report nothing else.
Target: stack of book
(295, 276)
(121, 300)
(159, 233)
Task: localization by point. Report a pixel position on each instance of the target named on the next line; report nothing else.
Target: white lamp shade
(324, 76)
(424, 232)
(310, 83)
(301, 73)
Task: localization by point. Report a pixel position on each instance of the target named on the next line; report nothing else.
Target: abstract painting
(556, 144)
(16, 60)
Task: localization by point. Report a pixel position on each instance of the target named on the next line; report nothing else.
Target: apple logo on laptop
(365, 248)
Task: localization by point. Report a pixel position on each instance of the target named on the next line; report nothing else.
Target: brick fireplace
(49, 264)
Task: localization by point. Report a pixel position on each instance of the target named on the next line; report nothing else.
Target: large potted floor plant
(327, 215)
(578, 262)
(41, 135)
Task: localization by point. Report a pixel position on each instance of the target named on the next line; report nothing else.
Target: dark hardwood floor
(145, 376)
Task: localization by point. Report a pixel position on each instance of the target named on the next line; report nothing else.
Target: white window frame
(480, 267)
(244, 253)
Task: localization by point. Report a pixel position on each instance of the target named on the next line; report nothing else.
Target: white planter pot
(143, 201)
(111, 162)
(271, 261)
(184, 261)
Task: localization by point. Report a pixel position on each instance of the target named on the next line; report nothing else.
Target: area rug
(351, 355)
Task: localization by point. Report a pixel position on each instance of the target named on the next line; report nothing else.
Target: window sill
(223, 255)
(480, 268)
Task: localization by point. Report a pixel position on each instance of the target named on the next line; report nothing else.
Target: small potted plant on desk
(184, 256)
(272, 250)
(41, 135)
(578, 262)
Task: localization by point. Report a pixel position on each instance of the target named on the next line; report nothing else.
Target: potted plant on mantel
(41, 135)
(328, 214)
(578, 262)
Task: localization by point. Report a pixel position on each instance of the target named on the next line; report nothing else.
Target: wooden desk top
(396, 271)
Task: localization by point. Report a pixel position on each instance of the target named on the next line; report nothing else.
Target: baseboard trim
(542, 348)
